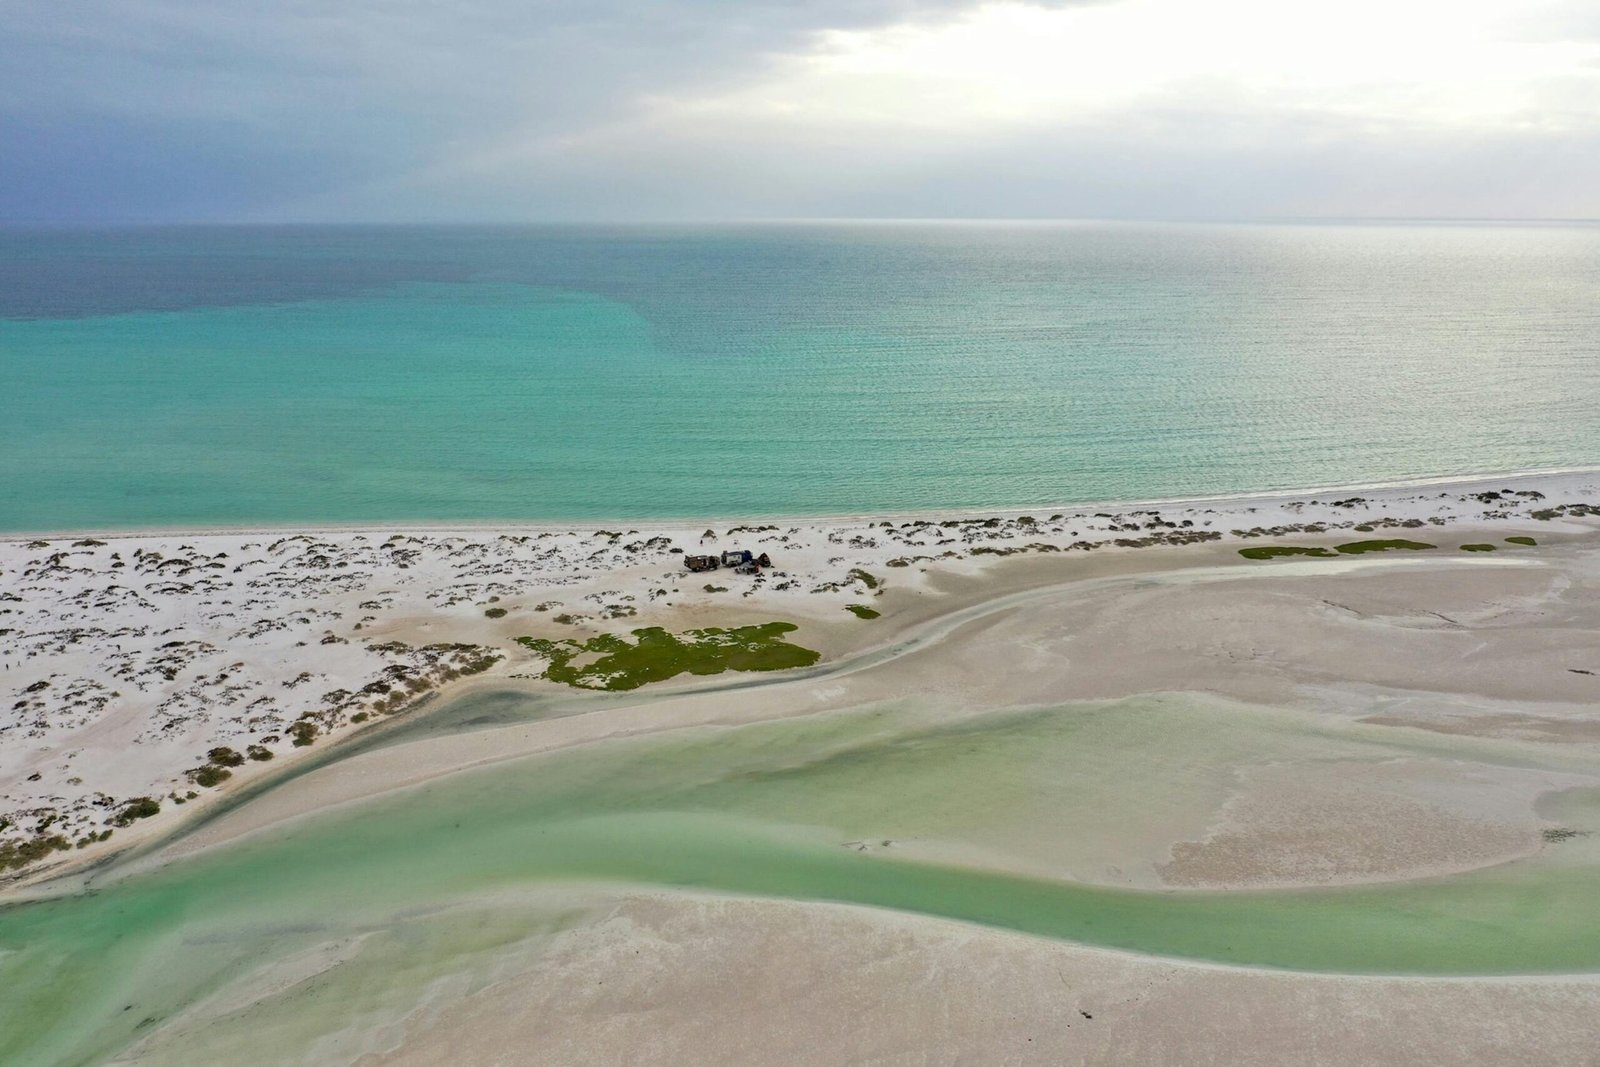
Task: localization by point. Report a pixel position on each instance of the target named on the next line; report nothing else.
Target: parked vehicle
(742, 560)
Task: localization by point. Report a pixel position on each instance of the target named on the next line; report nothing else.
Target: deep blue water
(189, 376)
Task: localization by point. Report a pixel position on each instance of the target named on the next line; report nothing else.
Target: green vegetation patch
(859, 575)
(209, 775)
(861, 611)
(1571, 511)
(656, 655)
(1477, 548)
(1396, 544)
(496, 613)
(1353, 548)
(137, 808)
(1521, 541)
(15, 855)
(1274, 551)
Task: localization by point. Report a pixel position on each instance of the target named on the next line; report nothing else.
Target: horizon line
(791, 220)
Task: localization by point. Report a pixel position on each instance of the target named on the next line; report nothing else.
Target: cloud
(357, 95)
(493, 109)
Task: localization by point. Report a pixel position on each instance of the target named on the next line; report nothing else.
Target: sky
(567, 110)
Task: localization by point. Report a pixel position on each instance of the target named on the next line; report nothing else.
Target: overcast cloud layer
(151, 110)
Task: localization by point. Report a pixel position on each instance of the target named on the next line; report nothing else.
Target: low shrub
(137, 808)
(15, 855)
(209, 775)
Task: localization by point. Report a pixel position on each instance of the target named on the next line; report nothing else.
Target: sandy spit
(127, 660)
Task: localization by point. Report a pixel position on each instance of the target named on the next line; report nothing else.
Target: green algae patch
(861, 611)
(1519, 540)
(1352, 548)
(1275, 551)
(1477, 548)
(656, 655)
(1396, 544)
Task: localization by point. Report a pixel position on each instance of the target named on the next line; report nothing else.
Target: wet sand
(688, 980)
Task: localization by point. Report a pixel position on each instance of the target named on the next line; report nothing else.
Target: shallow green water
(764, 810)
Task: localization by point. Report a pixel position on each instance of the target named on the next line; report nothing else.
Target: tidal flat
(846, 808)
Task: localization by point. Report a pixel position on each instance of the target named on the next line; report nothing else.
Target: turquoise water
(168, 377)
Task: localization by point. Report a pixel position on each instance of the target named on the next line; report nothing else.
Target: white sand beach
(127, 659)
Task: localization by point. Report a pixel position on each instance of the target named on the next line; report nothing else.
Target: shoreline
(1267, 497)
(249, 631)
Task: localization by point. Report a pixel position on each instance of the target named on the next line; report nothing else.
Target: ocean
(211, 376)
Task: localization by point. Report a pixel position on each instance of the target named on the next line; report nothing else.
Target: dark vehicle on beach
(700, 563)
